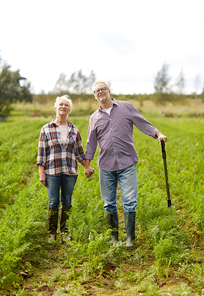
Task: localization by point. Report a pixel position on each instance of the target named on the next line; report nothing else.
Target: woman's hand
(43, 179)
(42, 174)
(89, 171)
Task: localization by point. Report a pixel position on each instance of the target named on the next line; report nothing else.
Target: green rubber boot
(130, 229)
(64, 216)
(112, 219)
(53, 220)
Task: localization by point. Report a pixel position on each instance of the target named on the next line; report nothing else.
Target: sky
(125, 42)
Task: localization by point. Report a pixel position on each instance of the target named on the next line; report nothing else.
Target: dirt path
(136, 274)
(48, 271)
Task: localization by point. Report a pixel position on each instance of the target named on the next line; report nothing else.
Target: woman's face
(62, 107)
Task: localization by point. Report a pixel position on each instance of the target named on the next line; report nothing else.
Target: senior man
(112, 127)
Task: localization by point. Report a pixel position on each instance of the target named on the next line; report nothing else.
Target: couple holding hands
(60, 148)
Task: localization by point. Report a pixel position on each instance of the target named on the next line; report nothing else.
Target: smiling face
(102, 93)
(62, 107)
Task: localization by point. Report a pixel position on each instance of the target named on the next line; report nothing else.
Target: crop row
(162, 227)
(21, 224)
(186, 167)
(14, 136)
(18, 151)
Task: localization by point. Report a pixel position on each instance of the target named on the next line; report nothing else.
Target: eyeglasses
(100, 90)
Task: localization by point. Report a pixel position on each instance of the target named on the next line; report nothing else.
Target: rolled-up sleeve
(91, 144)
(79, 152)
(42, 145)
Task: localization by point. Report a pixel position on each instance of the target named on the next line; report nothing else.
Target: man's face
(101, 93)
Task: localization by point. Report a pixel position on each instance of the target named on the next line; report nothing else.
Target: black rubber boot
(64, 216)
(112, 218)
(53, 220)
(130, 229)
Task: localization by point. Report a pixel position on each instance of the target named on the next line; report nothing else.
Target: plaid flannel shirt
(56, 157)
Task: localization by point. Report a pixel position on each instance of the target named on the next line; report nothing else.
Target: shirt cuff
(155, 135)
(89, 155)
(79, 158)
(40, 163)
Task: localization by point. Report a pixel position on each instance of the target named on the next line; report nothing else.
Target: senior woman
(59, 149)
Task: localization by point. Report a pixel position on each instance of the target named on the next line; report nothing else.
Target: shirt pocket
(52, 139)
(71, 144)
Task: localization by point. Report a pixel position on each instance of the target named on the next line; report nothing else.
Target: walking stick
(165, 171)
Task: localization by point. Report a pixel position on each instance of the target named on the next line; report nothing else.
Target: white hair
(66, 97)
(99, 82)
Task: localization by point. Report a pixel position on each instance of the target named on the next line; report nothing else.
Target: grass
(192, 107)
(169, 256)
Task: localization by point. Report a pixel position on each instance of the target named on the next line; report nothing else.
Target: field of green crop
(169, 254)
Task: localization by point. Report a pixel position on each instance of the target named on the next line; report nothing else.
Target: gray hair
(66, 97)
(99, 82)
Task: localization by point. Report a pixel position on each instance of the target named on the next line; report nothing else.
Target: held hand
(89, 171)
(43, 179)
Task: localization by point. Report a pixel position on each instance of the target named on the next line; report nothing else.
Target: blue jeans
(64, 182)
(127, 179)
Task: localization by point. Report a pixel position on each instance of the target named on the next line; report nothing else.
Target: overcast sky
(124, 41)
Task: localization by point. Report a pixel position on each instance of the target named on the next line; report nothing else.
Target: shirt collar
(52, 123)
(114, 103)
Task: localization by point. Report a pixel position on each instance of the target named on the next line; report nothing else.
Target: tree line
(78, 83)
(14, 88)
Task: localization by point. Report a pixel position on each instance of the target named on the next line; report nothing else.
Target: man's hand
(89, 171)
(160, 136)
